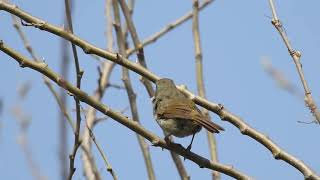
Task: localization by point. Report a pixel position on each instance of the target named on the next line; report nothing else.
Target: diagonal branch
(200, 81)
(131, 94)
(85, 150)
(169, 27)
(58, 99)
(137, 45)
(277, 152)
(245, 129)
(104, 77)
(141, 59)
(296, 55)
(133, 125)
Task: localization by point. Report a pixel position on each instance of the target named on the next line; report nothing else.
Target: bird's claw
(187, 151)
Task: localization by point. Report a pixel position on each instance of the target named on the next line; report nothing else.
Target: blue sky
(236, 36)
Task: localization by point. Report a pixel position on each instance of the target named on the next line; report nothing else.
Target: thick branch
(130, 92)
(245, 129)
(59, 100)
(133, 125)
(216, 108)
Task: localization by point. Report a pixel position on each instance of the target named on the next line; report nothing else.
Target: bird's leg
(168, 139)
(190, 145)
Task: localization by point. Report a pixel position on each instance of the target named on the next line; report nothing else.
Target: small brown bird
(178, 115)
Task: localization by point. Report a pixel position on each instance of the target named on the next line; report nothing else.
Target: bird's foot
(170, 142)
(189, 148)
(168, 139)
(187, 151)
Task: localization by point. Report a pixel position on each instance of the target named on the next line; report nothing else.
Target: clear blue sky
(235, 35)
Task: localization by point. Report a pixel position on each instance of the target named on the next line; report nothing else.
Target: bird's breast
(178, 127)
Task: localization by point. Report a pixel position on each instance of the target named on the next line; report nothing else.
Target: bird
(178, 115)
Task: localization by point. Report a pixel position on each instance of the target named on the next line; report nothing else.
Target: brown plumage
(182, 108)
(178, 115)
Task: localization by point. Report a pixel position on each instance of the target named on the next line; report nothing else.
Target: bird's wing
(185, 109)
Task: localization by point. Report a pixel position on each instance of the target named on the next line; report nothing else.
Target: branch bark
(169, 27)
(133, 125)
(130, 92)
(224, 114)
(141, 59)
(296, 55)
(200, 81)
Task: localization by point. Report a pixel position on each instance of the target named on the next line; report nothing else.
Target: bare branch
(245, 129)
(296, 55)
(106, 162)
(131, 94)
(104, 77)
(169, 27)
(200, 81)
(79, 74)
(134, 126)
(141, 59)
(137, 45)
(73, 126)
(61, 102)
(214, 107)
(62, 129)
(24, 121)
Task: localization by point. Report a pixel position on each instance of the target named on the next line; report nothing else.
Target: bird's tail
(210, 126)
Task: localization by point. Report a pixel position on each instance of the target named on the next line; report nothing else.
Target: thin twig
(214, 107)
(88, 165)
(107, 164)
(125, 30)
(277, 152)
(169, 27)
(60, 104)
(296, 55)
(79, 74)
(103, 81)
(59, 99)
(105, 159)
(73, 126)
(155, 140)
(62, 129)
(130, 92)
(137, 45)
(200, 81)
(24, 123)
(141, 59)
(17, 26)
(62, 108)
(179, 165)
